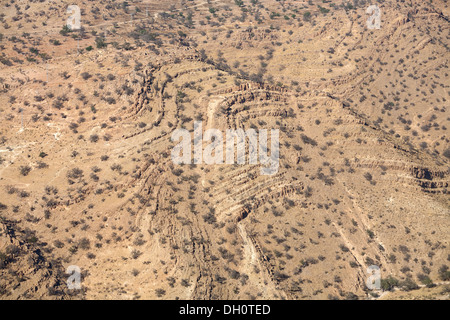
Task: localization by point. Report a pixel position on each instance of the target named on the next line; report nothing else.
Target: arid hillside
(87, 176)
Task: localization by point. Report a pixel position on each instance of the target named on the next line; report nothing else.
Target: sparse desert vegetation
(87, 180)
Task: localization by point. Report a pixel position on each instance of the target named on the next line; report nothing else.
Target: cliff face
(430, 180)
(25, 270)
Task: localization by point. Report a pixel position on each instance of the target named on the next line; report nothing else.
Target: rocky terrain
(87, 178)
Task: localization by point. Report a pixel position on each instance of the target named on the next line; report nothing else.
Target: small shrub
(84, 244)
(25, 170)
(86, 75)
(444, 274)
(389, 283)
(160, 292)
(93, 138)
